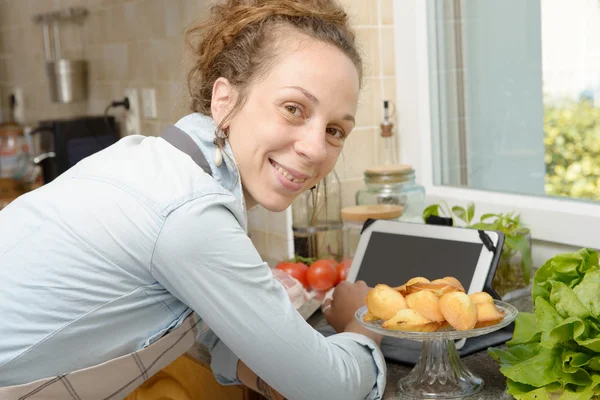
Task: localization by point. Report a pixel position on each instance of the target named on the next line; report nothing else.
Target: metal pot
(68, 79)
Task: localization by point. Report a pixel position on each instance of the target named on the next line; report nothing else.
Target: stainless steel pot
(68, 79)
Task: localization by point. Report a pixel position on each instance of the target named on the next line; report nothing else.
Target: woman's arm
(251, 380)
(204, 258)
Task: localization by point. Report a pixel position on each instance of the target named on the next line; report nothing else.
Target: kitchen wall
(138, 44)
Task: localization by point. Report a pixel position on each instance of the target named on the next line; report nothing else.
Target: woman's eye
(295, 111)
(336, 133)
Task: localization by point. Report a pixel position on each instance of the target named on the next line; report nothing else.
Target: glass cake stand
(439, 374)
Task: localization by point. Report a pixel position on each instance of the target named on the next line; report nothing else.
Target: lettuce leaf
(555, 352)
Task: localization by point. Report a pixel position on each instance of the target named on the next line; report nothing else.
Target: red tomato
(321, 275)
(342, 270)
(297, 270)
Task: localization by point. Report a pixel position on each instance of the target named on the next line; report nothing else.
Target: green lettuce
(554, 353)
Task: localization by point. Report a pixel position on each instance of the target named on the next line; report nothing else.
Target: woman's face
(291, 129)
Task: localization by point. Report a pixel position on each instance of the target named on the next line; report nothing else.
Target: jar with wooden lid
(394, 185)
(14, 158)
(355, 217)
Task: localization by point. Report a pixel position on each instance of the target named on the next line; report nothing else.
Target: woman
(119, 250)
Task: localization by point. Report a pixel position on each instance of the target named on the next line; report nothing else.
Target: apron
(116, 378)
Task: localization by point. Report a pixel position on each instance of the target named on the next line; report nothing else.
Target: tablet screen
(393, 259)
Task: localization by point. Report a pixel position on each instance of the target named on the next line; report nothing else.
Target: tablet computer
(392, 252)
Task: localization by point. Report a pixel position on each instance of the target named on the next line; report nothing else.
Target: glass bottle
(396, 185)
(354, 219)
(316, 220)
(389, 154)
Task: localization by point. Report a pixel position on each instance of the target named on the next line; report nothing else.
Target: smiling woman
(114, 263)
(287, 121)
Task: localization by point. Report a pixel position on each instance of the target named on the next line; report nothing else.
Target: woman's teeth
(287, 174)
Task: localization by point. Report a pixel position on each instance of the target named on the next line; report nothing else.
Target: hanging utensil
(67, 78)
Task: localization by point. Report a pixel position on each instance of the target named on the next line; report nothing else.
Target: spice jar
(355, 217)
(395, 185)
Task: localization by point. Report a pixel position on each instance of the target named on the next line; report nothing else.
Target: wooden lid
(11, 130)
(389, 169)
(374, 211)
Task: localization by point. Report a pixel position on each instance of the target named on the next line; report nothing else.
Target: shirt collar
(201, 129)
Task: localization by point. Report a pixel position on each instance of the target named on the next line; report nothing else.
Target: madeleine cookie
(425, 303)
(410, 320)
(383, 302)
(458, 309)
(481, 297)
(439, 289)
(487, 314)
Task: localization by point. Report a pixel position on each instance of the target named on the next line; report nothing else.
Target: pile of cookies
(421, 305)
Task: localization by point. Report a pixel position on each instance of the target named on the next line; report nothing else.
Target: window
(499, 104)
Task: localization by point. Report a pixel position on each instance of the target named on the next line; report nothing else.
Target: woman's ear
(223, 99)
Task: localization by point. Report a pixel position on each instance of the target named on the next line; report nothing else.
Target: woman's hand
(339, 311)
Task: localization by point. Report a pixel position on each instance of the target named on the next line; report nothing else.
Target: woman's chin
(275, 205)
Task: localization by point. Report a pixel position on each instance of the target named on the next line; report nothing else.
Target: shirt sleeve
(205, 258)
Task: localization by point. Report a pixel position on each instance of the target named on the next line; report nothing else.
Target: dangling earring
(219, 141)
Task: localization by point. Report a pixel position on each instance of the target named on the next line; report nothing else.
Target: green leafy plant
(572, 142)
(516, 235)
(555, 352)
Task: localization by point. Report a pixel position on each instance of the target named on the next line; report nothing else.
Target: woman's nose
(312, 145)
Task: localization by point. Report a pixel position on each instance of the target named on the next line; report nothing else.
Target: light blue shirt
(120, 248)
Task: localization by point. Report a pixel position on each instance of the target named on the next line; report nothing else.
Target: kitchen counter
(480, 363)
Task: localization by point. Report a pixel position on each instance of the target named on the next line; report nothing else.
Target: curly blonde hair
(239, 42)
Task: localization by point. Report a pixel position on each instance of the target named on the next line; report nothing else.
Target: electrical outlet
(149, 103)
(132, 120)
(19, 105)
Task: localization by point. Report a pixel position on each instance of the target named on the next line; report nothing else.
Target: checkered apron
(116, 378)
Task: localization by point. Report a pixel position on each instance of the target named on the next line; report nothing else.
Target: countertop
(480, 363)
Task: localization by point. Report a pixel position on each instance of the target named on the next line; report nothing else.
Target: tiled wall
(138, 44)
(128, 44)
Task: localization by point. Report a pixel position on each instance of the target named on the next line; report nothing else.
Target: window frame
(564, 221)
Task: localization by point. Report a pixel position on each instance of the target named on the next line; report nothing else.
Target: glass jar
(354, 219)
(316, 221)
(395, 185)
(13, 151)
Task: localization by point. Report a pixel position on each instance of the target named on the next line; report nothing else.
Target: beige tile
(389, 93)
(91, 28)
(150, 22)
(362, 12)
(167, 55)
(116, 61)
(174, 18)
(166, 94)
(368, 42)
(388, 62)
(118, 29)
(358, 154)
(194, 11)
(71, 41)
(366, 99)
(151, 128)
(130, 18)
(95, 57)
(141, 62)
(387, 12)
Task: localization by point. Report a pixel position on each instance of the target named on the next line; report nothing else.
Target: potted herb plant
(515, 266)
